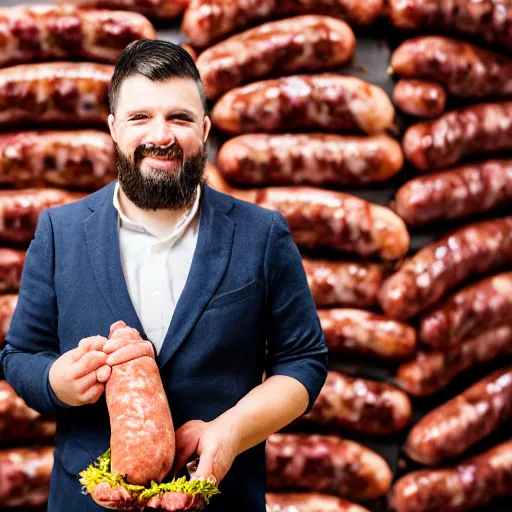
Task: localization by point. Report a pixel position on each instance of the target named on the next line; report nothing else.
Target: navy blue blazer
(246, 308)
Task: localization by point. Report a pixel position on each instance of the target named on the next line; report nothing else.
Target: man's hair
(156, 60)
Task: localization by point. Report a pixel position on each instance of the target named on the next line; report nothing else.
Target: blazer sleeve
(295, 342)
(32, 343)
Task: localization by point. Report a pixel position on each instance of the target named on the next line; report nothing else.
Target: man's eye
(137, 117)
(182, 117)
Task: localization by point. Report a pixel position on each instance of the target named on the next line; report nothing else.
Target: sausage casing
(362, 332)
(325, 100)
(308, 502)
(302, 43)
(313, 159)
(11, 268)
(325, 464)
(419, 98)
(8, 304)
(424, 279)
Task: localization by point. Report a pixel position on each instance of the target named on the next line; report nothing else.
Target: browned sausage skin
(308, 502)
(473, 482)
(419, 98)
(8, 304)
(11, 268)
(424, 279)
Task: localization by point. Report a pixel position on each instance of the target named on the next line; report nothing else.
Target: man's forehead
(140, 92)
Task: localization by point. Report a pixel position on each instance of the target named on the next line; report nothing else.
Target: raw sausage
(72, 92)
(463, 69)
(359, 405)
(314, 159)
(431, 371)
(308, 502)
(325, 464)
(475, 130)
(326, 100)
(46, 32)
(7, 306)
(82, 159)
(20, 209)
(469, 312)
(488, 20)
(472, 250)
(362, 332)
(341, 283)
(302, 43)
(11, 267)
(473, 482)
(419, 98)
(207, 21)
(18, 421)
(455, 193)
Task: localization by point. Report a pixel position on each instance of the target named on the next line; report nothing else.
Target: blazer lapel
(209, 264)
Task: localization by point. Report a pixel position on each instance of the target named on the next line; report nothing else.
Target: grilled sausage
(20, 209)
(11, 267)
(308, 502)
(46, 32)
(456, 193)
(325, 464)
(475, 130)
(18, 421)
(315, 159)
(469, 312)
(190, 51)
(423, 280)
(488, 20)
(323, 218)
(360, 405)
(464, 70)
(82, 159)
(325, 100)
(302, 43)
(153, 8)
(451, 429)
(419, 98)
(431, 371)
(207, 21)
(25, 476)
(340, 283)
(7, 306)
(361, 332)
(73, 92)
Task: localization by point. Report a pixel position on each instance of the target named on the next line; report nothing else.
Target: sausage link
(474, 130)
(431, 371)
(419, 98)
(360, 405)
(20, 209)
(73, 92)
(82, 159)
(165, 9)
(472, 250)
(11, 268)
(18, 421)
(325, 100)
(308, 502)
(314, 159)
(361, 332)
(325, 464)
(8, 304)
(473, 482)
(463, 69)
(451, 429)
(45, 32)
(25, 478)
(302, 43)
(341, 283)
(489, 20)
(323, 218)
(207, 21)
(469, 312)
(456, 193)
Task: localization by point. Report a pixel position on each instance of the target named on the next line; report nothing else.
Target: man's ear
(207, 124)
(112, 127)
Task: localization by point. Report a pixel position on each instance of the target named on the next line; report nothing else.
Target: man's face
(160, 131)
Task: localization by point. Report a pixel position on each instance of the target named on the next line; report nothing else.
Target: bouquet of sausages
(128, 476)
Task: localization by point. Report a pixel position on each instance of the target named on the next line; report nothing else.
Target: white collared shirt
(156, 269)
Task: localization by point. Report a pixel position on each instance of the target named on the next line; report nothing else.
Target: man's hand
(73, 375)
(215, 445)
(125, 344)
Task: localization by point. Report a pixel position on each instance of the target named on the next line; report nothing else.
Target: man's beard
(156, 189)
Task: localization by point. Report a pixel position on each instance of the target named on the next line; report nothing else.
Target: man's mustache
(171, 151)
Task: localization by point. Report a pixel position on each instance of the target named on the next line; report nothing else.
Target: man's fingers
(205, 466)
(90, 362)
(93, 343)
(129, 352)
(115, 326)
(103, 373)
(93, 393)
(115, 343)
(77, 354)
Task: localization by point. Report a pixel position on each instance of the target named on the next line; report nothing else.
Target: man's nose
(160, 133)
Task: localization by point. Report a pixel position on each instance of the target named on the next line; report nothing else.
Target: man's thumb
(205, 466)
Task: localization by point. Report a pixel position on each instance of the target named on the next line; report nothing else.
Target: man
(156, 245)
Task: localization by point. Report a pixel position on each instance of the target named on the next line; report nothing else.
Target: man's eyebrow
(171, 112)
